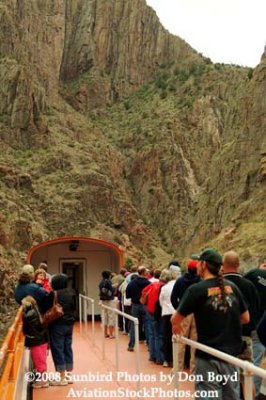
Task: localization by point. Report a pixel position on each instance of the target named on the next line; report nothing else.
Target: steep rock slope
(112, 47)
(195, 158)
(112, 127)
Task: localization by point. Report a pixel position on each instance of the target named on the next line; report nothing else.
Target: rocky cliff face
(197, 177)
(112, 127)
(113, 47)
(31, 48)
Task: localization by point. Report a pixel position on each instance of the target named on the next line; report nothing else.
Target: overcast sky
(226, 31)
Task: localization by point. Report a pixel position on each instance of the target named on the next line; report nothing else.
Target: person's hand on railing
(176, 320)
(176, 329)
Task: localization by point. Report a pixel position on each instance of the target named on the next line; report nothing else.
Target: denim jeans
(258, 352)
(138, 311)
(61, 346)
(151, 338)
(207, 369)
(158, 335)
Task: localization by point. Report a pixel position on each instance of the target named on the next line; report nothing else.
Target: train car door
(74, 269)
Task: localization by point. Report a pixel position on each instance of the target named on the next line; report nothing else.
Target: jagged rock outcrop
(113, 47)
(105, 48)
(111, 126)
(31, 47)
(234, 191)
(8, 306)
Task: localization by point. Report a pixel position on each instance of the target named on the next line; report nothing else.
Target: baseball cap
(192, 264)
(174, 263)
(175, 268)
(209, 255)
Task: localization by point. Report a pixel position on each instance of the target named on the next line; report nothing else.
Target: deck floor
(103, 381)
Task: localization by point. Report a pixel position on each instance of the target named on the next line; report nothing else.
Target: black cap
(209, 255)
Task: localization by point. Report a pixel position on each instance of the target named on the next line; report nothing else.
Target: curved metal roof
(105, 243)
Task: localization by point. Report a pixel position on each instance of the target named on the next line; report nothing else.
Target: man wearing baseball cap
(219, 310)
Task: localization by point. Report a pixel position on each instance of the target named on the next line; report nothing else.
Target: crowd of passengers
(37, 292)
(213, 302)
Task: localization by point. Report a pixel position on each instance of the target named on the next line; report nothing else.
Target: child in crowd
(41, 279)
(36, 338)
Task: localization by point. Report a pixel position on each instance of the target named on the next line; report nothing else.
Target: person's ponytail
(215, 270)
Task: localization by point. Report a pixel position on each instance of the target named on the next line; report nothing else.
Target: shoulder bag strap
(55, 297)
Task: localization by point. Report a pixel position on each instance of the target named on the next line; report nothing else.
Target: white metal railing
(136, 329)
(83, 314)
(248, 368)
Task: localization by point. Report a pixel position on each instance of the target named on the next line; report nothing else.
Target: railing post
(93, 322)
(103, 332)
(83, 308)
(248, 383)
(83, 314)
(86, 315)
(116, 342)
(80, 314)
(175, 343)
(136, 329)
(123, 310)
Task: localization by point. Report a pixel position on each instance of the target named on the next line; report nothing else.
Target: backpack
(105, 292)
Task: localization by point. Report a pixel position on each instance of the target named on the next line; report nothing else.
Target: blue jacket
(181, 285)
(43, 299)
(134, 288)
(261, 329)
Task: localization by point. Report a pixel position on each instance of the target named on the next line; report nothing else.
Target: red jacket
(152, 291)
(45, 285)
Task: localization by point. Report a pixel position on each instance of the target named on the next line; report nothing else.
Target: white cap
(27, 269)
(175, 269)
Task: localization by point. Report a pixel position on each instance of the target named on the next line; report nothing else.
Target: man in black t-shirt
(231, 265)
(258, 277)
(219, 310)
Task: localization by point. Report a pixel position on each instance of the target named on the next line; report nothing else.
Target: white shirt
(165, 296)
(153, 280)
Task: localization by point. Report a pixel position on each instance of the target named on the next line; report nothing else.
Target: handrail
(136, 328)
(8, 341)
(10, 358)
(248, 368)
(83, 300)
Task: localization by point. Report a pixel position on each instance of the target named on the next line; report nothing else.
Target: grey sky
(226, 31)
